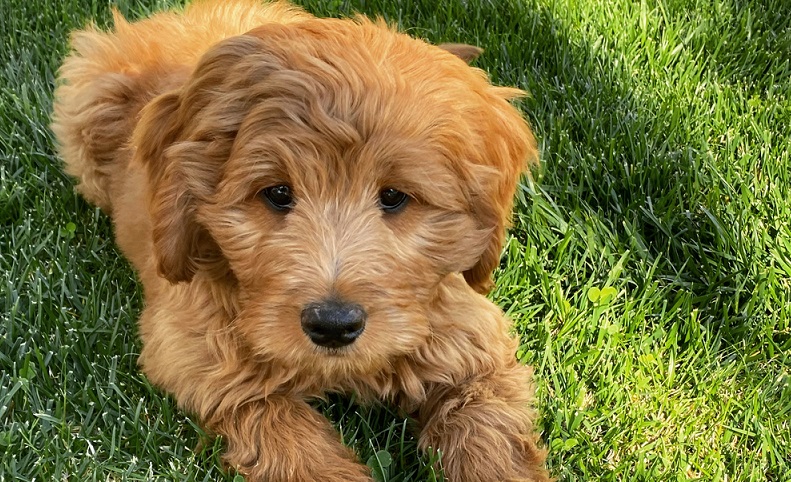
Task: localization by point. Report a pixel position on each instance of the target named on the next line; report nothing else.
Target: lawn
(648, 271)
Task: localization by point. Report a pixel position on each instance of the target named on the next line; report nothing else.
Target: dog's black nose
(333, 323)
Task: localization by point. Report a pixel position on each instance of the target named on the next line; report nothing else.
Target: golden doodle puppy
(312, 206)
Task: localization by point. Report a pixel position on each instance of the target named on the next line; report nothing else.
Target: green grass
(648, 271)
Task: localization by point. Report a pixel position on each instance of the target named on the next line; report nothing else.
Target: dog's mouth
(335, 352)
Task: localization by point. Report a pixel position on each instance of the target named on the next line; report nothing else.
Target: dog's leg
(484, 428)
(282, 439)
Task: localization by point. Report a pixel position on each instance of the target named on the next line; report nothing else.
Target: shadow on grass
(750, 43)
(644, 162)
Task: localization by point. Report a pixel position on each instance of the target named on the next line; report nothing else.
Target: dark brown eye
(392, 200)
(279, 197)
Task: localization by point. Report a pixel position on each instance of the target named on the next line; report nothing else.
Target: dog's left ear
(509, 149)
(465, 52)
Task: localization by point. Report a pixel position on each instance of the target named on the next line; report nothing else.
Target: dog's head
(341, 171)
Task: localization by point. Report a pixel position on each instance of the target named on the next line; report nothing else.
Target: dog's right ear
(183, 138)
(176, 234)
(465, 52)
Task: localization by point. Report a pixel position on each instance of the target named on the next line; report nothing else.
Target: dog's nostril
(333, 323)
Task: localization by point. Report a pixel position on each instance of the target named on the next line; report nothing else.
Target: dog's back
(109, 76)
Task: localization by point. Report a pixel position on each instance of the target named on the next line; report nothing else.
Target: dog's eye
(279, 197)
(392, 200)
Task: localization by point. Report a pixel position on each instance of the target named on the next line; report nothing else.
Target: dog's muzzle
(333, 323)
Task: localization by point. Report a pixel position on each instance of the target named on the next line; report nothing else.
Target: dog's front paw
(486, 443)
(285, 440)
(484, 431)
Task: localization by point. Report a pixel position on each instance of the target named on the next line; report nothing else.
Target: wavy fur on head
(176, 124)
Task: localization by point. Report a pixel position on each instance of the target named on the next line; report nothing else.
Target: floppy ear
(183, 139)
(509, 148)
(465, 52)
(175, 231)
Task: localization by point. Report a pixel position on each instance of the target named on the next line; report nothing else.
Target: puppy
(312, 206)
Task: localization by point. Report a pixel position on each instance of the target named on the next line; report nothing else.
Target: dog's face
(340, 171)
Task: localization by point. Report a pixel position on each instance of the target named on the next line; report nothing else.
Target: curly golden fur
(175, 126)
